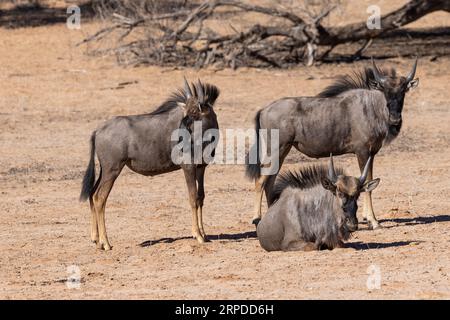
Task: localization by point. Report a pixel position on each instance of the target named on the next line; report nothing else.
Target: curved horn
(187, 89)
(331, 173)
(363, 177)
(411, 75)
(376, 73)
(200, 93)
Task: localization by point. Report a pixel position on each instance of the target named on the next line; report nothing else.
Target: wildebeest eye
(340, 194)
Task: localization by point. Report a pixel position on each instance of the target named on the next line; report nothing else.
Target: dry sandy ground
(52, 96)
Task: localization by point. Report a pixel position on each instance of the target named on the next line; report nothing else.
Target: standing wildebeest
(357, 114)
(313, 209)
(143, 143)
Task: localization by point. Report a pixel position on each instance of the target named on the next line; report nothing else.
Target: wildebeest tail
(89, 176)
(253, 170)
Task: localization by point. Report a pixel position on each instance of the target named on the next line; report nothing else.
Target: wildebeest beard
(187, 123)
(344, 231)
(394, 131)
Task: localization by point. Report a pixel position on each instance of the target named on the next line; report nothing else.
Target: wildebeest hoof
(374, 226)
(103, 246)
(205, 237)
(256, 221)
(200, 239)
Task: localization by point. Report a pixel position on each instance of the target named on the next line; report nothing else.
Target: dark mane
(303, 178)
(211, 94)
(357, 80)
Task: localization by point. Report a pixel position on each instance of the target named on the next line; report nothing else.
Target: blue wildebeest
(144, 144)
(357, 114)
(313, 208)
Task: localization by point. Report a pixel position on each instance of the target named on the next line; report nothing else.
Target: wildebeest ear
(370, 185)
(328, 184)
(412, 84)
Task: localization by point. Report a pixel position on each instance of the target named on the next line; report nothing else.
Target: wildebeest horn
(363, 177)
(331, 173)
(411, 75)
(378, 76)
(187, 89)
(200, 93)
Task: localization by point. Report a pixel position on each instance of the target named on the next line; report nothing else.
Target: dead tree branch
(283, 38)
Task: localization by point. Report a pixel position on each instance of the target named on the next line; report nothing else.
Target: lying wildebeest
(357, 114)
(313, 209)
(144, 144)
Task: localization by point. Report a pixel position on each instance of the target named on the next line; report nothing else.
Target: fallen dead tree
(178, 34)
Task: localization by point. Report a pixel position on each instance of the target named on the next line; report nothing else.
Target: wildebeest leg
(271, 180)
(299, 245)
(191, 177)
(99, 198)
(266, 183)
(259, 188)
(368, 207)
(200, 198)
(94, 225)
(269, 186)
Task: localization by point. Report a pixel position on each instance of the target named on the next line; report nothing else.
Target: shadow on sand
(218, 237)
(418, 220)
(378, 245)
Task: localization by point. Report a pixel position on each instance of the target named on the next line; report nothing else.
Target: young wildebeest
(313, 209)
(144, 144)
(357, 114)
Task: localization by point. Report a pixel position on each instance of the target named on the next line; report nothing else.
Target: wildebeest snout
(395, 119)
(350, 208)
(351, 220)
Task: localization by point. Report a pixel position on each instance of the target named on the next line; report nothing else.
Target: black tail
(89, 176)
(253, 170)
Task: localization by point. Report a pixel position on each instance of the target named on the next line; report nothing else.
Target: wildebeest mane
(304, 178)
(357, 80)
(211, 93)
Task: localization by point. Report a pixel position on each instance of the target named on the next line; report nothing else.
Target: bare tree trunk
(410, 12)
